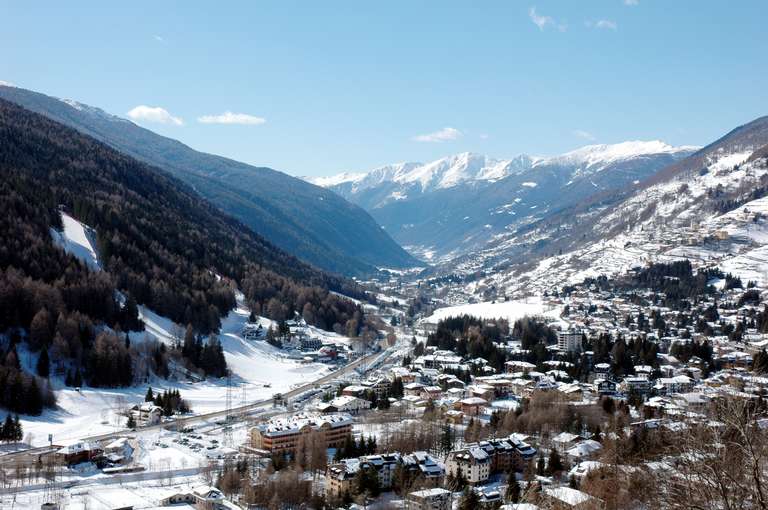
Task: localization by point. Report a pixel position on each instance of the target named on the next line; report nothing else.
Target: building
(82, 451)
(569, 340)
(282, 435)
(471, 406)
(430, 471)
(473, 463)
(146, 414)
(307, 343)
(429, 499)
(344, 404)
(565, 498)
(637, 385)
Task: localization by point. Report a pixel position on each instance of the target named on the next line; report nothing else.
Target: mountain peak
(600, 154)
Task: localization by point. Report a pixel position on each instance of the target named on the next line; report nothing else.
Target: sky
(316, 88)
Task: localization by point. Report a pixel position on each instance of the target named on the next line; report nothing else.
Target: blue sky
(323, 87)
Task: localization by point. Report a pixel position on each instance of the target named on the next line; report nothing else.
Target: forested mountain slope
(159, 244)
(308, 221)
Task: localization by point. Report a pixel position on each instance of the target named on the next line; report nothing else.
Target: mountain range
(710, 207)
(456, 205)
(308, 221)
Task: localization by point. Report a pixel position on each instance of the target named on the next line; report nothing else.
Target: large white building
(569, 340)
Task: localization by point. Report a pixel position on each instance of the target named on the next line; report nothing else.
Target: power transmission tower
(228, 442)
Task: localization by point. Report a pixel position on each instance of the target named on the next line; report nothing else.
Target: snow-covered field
(509, 310)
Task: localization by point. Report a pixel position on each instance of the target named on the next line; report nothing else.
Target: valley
(379, 256)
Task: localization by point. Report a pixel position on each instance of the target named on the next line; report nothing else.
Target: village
(463, 412)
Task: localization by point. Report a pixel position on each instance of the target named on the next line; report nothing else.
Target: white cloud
(158, 38)
(544, 21)
(602, 24)
(442, 135)
(232, 118)
(631, 3)
(154, 114)
(484, 136)
(586, 135)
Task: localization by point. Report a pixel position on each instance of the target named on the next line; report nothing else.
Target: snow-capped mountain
(455, 205)
(711, 208)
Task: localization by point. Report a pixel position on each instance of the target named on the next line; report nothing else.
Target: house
(471, 406)
(119, 450)
(637, 385)
(282, 435)
(564, 440)
(208, 498)
(354, 390)
(82, 451)
(473, 463)
(176, 497)
(519, 366)
(344, 404)
(338, 480)
(146, 414)
(380, 386)
(565, 498)
(488, 499)
(676, 384)
(431, 392)
(583, 450)
(606, 387)
(429, 499)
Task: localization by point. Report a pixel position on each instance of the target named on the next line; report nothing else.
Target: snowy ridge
(471, 167)
(668, 221)
(602, 154)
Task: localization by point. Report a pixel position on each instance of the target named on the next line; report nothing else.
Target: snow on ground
(254, 364)
(509, 310)
(258, 369)
(77, 239)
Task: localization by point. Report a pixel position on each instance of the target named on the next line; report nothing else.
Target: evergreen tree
(43, 364)
(469, 500)
(149, 397)
(513, 489)
(555, 464)
(8, 428)
(18, 432)
(447, 438)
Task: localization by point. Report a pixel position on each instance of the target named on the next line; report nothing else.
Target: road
(370, 359)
